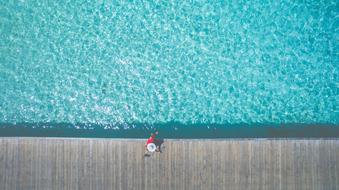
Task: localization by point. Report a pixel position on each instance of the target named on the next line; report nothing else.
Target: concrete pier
(256, 164)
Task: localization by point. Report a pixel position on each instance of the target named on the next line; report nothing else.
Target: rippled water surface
(190, 62)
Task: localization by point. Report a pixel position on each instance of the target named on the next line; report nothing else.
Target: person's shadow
(158, 143)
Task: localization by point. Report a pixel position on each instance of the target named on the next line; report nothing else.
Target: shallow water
(121, 63)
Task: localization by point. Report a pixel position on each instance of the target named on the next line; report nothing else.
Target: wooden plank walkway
(56, 163)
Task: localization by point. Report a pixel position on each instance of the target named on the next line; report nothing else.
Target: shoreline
(173, 139)
(173, 131)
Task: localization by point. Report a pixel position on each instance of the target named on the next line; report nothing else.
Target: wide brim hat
(151, 147)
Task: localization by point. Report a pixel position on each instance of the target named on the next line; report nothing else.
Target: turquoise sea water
(121, 64)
